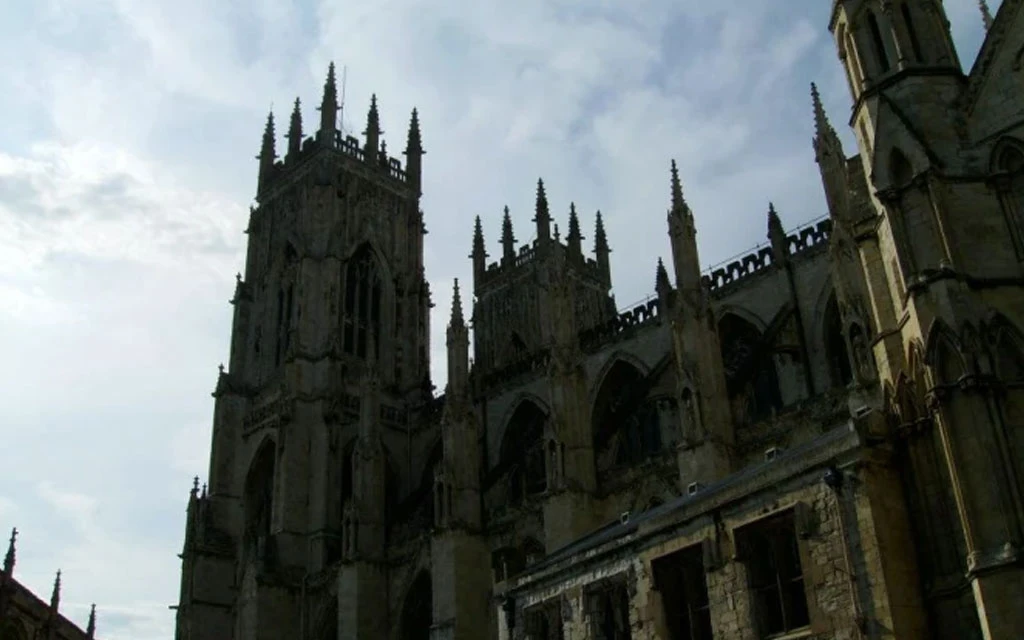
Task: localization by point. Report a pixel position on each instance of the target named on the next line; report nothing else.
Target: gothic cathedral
(821, 439)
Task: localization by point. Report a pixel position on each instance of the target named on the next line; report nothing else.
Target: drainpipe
(835, 480)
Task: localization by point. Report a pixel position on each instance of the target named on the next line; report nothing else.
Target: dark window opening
(545, 622)
(772, 558)
(523, 453)
(258, 504)
(418, 610)
(835, 346)
(752, 381)
(507, 563)
(362, 305)
(876, 37)
(608, 608)
(911, 31)
(679, 577)
(627, 426)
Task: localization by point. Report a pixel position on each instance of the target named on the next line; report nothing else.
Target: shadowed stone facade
(824, 438)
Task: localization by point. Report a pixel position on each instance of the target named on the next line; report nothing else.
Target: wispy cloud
(126, 169)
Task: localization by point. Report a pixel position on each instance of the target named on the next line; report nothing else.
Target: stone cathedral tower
(329, 365)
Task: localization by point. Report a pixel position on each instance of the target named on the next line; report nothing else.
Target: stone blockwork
(823, 438)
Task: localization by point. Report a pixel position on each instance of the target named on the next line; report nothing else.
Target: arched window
(835, 346)
(626, 425)
(258, 502)
(879, 43)
(362, 304)
(418, 609)
(1008, 159)
(750, 375)
(908, 22)
(522, 453)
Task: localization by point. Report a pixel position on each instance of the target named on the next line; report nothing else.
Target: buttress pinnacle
(55, 596)
(414, 142)
(268, 151)
(986, 14)
(329, 107)
(90, 628)
(600, 239)
(9, 558)
(295, 130)
(678, 203)
(457, 319)
(661, 281)
(543, 214)
(479, 250)
(373, 118)
(508, 239)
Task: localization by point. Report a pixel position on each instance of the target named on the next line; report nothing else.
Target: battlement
(347, 146)
(734, 270)
(527, 254)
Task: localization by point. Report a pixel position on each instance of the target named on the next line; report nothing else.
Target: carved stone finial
(986, 14)
(195, 485)
(9, 558)
(220, 368)
(90, 628)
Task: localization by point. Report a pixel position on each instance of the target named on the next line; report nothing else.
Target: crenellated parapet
(812, 236)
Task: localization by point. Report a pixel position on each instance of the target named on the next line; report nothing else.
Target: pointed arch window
(1009, 161)
(879, 44)
(258, 501)
(908, 22)
(362, 304)
(835, 346)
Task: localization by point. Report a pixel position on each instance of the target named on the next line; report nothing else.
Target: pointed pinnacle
(90, 628)
(574, 222)
(600, 239)
(542, 199)
(55, 596)
(507, 236)
(678, 203)
(478, 240)
(774, 223)
(457, 319)
(986, 14)
(822, 126)
(414, 142)
(661, 280)
(9, 558)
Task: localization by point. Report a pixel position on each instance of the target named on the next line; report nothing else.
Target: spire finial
(661, 281)
(986, 14)
(479, 250)
(600, 239)
(373, 117)
(543, 215)
(678, 203)
(574, 238)
(557, 234)
(268, 152)
(457, 319)
(508, 238)
(195, 486)
(55, 596)
(822, 127)
(90, 628)
(9, 558)
(295, 130)
(414, 142)
(329, 108)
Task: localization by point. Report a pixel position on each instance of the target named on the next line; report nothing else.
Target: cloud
(125, 182)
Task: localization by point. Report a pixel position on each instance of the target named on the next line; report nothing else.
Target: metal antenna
(344, 78)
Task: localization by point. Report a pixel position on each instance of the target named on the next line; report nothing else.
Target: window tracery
(362, 304)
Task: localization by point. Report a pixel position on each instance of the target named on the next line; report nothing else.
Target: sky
(127, 166)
